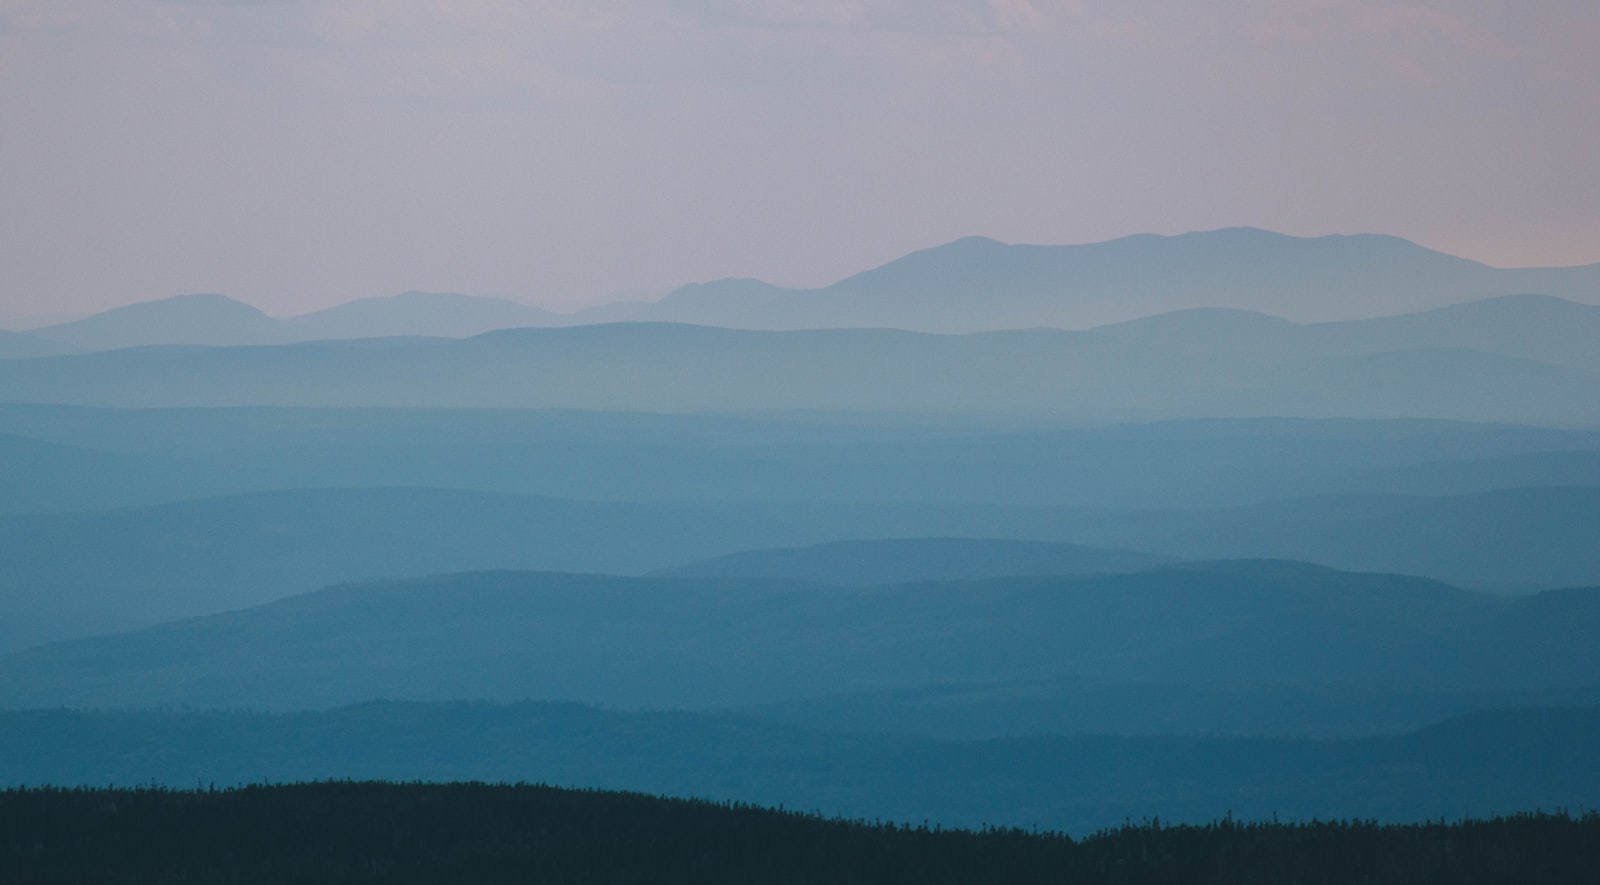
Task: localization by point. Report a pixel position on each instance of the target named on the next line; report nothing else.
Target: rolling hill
(1489, 763)
(420, 314)
(220, 321)
(1137, 374)
(116, 458)
(970, 285)
(978, 284)
(20, 345)
(185, 558)
(1504, 539)
(904, 560)
(208, 319)
(635, 642)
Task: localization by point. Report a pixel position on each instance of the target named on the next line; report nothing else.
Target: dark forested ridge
(468, 832)
(1497, 762)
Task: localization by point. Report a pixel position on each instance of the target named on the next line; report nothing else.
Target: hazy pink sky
(299, 153)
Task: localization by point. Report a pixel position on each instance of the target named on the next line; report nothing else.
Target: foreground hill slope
(379, 832)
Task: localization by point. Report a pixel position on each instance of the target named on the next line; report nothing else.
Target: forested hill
(1496, 762)
(376, 832)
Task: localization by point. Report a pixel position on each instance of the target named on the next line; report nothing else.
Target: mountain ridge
(1464, 363)
(1500, 761)
(1307, 279)
(667, 642)
(967, 285)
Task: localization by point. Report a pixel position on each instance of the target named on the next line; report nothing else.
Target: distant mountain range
(185, 319)
(217, 320)
(1513, 359)
(978, 284)
(970, 285)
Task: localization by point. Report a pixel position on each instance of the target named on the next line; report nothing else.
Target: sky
(296, 154)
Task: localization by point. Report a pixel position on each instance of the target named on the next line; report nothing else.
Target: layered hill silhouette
(186, 558)
(207, 319)
(213, 509)
(1479, 765)
(970, 285)
(1505, 539)
(421, 313)
(895, 561)
(1419, 367)
(217, 320)
(20, 345)
(71, 458)
(865, 539)
(708, 642)
(978, 284)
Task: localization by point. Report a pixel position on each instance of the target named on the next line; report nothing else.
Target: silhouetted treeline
(382, 832)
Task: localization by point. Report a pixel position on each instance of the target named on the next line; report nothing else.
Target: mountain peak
(205, 318)
(211, 302)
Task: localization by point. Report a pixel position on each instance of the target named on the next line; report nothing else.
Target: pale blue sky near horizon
(300, 153)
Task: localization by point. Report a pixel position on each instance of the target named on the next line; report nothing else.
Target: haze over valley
(1205, 519)
(852, 442)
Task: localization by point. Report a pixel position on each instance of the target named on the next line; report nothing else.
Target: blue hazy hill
(903, 560)
(182, 319)
(972, 284)
(641, 642)
(187, 558)
(448, 315)
(761, 458)
(1538, 371)
(21, 345)
(977, 284)
(217, 320)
